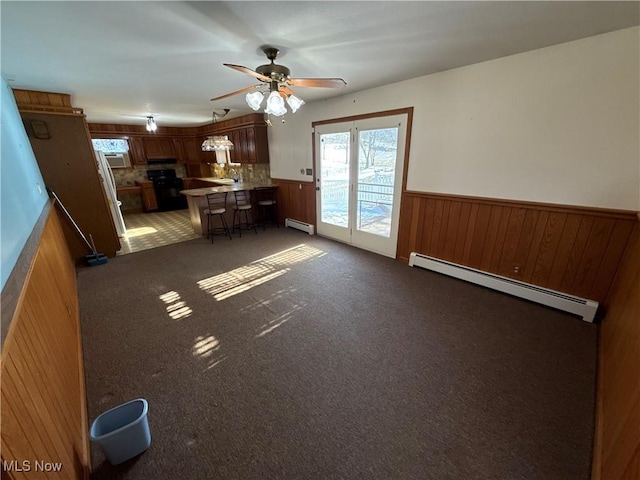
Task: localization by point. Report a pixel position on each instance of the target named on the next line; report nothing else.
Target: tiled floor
(150, 230)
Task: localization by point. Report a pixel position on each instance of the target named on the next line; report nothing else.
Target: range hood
(157, 161)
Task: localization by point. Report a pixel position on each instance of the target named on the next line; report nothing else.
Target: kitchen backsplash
(258, 173)
(255, 173)
(125, 177)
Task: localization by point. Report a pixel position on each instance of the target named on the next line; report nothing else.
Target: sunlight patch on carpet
(176, 308)
(204, 347)
(241, 279)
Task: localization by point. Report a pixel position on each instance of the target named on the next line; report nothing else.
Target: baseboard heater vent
(568, 303)
(298, 225)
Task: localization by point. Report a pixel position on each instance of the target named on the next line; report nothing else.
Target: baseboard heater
(568, 303)
(298, 225)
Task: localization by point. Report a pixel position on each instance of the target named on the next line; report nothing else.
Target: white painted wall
(559, 125)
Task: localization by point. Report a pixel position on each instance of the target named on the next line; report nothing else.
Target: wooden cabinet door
(191, 147)
(136, 151)
(178, 147)
(149, 201)
(261, 144)
(242, 147)
(159, 147)
(251, 145)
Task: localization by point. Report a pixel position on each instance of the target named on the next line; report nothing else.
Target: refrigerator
(109, 184)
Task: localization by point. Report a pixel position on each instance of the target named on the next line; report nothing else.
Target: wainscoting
(296, 200)
(44, 415)
(574, 250)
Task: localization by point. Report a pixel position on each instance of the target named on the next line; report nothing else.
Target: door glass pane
(377, 153)
(334, 178)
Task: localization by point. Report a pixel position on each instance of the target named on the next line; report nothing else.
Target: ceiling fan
(277, 80)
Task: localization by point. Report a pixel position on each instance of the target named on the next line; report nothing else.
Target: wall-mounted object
(40, 129)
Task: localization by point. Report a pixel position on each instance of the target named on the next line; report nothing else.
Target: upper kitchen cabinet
(187, 150)
(159, 147)
(249, 137)
(136, 151)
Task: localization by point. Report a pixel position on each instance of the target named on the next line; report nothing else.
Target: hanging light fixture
(275, 101)
(217, 142)
(151, 124)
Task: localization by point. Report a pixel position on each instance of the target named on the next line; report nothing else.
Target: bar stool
(243, 205)
(267, 209)
(217, 206)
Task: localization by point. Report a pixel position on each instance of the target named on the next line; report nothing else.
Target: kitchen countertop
(235, 187)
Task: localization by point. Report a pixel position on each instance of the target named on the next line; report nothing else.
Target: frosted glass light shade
(254, 100)
(151, 124)
(275, 104)
(294, 103)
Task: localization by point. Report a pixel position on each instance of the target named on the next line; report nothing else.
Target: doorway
(359, 166)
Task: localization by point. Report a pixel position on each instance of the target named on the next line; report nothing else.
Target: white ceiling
(122, 61)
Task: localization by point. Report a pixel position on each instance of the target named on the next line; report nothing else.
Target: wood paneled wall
(296, 200)
(43, 410)
(570, 249)
(617, 445)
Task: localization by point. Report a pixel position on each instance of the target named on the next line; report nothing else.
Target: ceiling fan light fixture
(275, 104)
(152, 126)
(294, 103)
(254, 100)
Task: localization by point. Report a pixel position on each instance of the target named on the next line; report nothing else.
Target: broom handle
(71, 219)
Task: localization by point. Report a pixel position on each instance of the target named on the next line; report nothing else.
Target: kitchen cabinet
(136, 151)
(191, 149)
(186, 150)
(149, 201)
(159, 147)
(250, 144)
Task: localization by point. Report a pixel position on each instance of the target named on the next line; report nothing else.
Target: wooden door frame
(386, 113)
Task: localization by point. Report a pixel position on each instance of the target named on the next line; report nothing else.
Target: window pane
(110, 145)
(376, 171)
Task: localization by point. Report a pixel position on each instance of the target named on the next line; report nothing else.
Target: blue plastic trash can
(123, 432)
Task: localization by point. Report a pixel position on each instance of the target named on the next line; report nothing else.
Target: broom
(94, 258)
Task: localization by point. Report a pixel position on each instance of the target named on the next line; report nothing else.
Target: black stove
(167, 188)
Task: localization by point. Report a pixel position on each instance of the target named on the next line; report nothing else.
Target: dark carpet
(287, 356)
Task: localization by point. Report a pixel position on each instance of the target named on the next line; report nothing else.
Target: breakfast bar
(197, 199)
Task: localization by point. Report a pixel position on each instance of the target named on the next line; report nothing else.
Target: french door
(359, 169)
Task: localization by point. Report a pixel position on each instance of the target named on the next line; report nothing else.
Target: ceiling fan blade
(287, 90)
(242, 90)
(317, 82)
(248, 71)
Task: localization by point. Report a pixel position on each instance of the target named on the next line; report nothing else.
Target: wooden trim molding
(20, 272)
(605, 212)
(353, 118)
(575, 250)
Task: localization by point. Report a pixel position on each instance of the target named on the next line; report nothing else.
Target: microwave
(118, 160)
